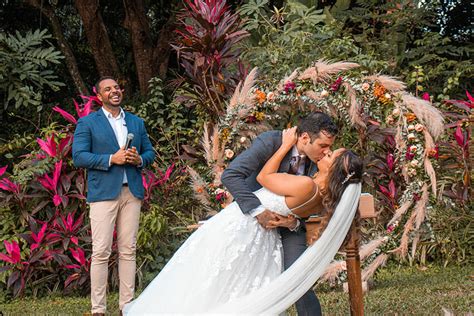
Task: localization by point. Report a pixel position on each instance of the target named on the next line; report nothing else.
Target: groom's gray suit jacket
(240, 176)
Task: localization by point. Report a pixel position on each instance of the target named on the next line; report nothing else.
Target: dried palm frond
(367, 249)
(400, 211)
(430, 116)
(206, 145)
(199, 187)
(313, 95)
(403, 249)
(420, 208)
(291, 77)
(217, 148)
(414, 243)
(332, 271)
(390, 83)
(242, 93)
(379, 261)
(322, 70)
(355, 108)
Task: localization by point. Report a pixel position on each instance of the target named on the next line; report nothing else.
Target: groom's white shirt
(294, 153)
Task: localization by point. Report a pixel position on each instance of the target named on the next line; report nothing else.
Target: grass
(396, 291)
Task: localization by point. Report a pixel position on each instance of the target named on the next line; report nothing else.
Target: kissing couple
(233, 263)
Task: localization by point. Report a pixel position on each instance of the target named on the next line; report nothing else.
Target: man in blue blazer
(316, 134)
(115, 187)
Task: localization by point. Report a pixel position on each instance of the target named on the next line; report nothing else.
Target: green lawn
(396, 291)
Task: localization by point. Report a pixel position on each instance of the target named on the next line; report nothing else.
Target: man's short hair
(100, 80)
(315, 123)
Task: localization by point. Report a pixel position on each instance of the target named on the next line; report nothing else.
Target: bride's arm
(283, 183)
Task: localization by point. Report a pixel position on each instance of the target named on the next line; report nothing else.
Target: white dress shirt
(120, 130)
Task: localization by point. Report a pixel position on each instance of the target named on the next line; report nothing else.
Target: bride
(232, 255)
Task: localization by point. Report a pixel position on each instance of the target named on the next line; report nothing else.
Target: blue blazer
(94, 142)
(240, 177)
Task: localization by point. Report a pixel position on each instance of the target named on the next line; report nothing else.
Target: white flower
(365, 86)
(229, 153)
(411, 136)
(388, 95)
(219, 190)
(396, 112)
(411, 172)
(389, 119)
(324, 93)
(414, 163)
(411, 127)
(270, 96)
(243, 139)
(419, 127)
(413, 148)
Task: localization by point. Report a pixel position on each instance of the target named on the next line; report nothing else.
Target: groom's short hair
(315, 123)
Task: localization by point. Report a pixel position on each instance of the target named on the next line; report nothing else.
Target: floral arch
(395, 130)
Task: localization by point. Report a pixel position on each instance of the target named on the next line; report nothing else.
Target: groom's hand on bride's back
(265, 217)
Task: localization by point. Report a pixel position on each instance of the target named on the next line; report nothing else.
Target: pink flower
(426, 96)
(335, 86)
(289, 86)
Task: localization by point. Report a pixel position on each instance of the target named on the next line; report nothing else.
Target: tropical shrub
(206, 46)
(25, 68)
(46, 232)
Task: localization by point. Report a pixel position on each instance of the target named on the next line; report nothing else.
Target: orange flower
(260, 96)
(379, 91)
(410, 117)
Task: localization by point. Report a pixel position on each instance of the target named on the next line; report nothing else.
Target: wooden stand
(354, 278)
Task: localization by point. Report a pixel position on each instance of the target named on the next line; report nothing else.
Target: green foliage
(453, 235)
(169, 125)
(281, 39)
(25, 68)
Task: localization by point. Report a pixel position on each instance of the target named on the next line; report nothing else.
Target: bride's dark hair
(346, 169)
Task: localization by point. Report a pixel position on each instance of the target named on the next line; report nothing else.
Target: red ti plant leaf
(384, 190)
(3, 170)
(392, 188)
(390, 161)
(459, 136)
(38, 238)
(65, 114)
(78, 254)
(13, 250)
(48, 146)
(8, 185)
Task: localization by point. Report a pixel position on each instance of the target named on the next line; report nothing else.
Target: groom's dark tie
(295, 162)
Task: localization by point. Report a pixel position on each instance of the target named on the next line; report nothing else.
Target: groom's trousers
(294, 244)
(124, 214)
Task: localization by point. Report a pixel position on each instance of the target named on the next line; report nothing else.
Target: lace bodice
(272, 201)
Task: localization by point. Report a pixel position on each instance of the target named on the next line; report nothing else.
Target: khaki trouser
(125, 213)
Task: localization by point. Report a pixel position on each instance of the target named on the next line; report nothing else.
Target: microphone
(129, 140)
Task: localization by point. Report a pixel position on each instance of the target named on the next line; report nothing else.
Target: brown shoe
(98, 314)
(120, 313)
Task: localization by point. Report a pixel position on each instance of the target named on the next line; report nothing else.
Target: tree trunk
(71, 62)
(162, 51)
(98, 38)
(136, 22)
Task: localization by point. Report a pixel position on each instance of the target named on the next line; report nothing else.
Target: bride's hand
(283, 221)
(289, 137)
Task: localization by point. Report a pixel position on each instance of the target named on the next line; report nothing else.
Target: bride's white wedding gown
(231, 265)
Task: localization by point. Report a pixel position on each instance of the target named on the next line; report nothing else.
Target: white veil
(281, 293)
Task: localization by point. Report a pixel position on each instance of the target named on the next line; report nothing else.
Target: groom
(316, 134)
